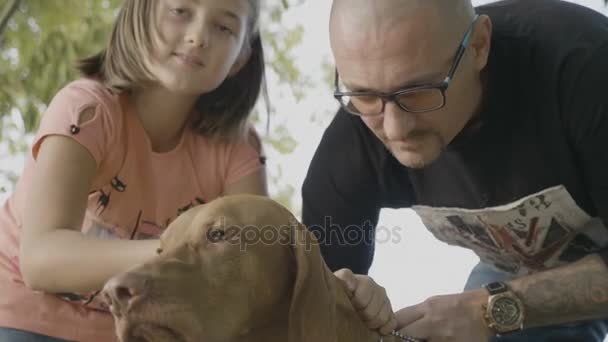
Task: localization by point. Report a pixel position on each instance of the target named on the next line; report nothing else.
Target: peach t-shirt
(136, 191)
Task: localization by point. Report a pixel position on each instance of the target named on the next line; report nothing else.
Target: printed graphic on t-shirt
(537, 232)
(141, 230)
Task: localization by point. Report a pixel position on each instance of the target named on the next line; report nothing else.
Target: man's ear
(481, 41)
(242, 59)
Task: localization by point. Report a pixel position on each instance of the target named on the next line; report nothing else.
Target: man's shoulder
(539, 48)
(535, 9)
(350, 154)
(547, 20)
(347, 130)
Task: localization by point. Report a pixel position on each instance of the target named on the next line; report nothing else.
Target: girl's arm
(55, 256)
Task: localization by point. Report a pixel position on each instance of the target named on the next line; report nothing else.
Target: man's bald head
(390, 46)
(444, 17)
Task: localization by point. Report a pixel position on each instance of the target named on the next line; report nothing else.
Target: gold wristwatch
(504, 312)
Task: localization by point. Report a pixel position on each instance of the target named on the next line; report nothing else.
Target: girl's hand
(370, 300)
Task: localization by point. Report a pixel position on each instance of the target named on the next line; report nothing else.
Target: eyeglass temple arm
(336, 78)
(461, 49)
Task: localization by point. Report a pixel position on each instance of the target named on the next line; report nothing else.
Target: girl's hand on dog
(370, 300)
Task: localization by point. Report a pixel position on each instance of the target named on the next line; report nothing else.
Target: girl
(156, 125)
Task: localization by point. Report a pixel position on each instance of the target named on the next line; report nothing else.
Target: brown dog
(240, 268)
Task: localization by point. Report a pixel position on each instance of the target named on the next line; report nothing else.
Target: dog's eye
(159, 251)
(216, 235)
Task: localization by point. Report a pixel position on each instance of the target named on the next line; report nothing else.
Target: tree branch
(7, 13)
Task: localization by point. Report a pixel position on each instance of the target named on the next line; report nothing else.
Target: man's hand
(370, 300)
(453, 318)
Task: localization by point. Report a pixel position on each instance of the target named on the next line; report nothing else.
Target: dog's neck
(349, 326)
(269, 327)
(276, 332)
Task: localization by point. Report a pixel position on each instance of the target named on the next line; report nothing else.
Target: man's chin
(416, 153)
(414, 159)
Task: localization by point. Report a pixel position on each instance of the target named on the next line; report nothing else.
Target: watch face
(506, 311)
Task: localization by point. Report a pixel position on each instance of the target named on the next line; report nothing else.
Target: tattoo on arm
(575, 292)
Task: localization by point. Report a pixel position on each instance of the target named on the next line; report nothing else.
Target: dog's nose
(121, 291)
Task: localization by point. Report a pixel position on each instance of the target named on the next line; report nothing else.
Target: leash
(403, 337)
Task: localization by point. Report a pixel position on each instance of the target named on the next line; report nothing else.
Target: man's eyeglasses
(417, 99)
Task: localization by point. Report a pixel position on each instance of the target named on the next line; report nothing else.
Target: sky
(410, 264)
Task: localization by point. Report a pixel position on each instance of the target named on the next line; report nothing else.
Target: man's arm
(340, 195)
(575, 292)
(579, 291)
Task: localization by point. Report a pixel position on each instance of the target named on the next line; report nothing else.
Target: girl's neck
(163, 115)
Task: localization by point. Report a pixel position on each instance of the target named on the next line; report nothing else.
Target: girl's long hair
(223, 112)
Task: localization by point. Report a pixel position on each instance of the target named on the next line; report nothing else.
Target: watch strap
(496, 287)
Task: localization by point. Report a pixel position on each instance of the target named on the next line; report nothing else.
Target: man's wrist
(565, 294)
(604, 255)
(478, 302)
(504, 310)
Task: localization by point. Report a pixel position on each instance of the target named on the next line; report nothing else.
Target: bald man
(492, 124)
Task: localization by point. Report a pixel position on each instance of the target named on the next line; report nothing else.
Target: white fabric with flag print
(522, 237)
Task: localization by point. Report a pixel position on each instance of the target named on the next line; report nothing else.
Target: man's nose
(397, 123)
(121, 291)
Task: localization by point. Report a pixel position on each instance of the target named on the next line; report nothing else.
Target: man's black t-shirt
(519, 182)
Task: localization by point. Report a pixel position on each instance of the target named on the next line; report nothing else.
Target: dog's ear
(312, 314)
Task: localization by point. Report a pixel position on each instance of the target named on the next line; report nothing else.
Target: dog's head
(225, 270)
